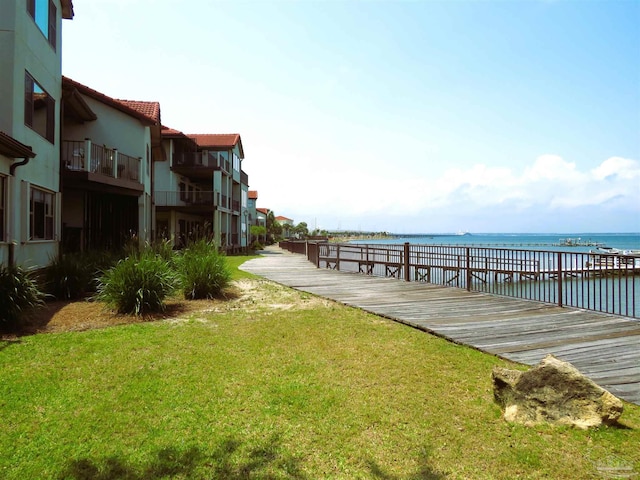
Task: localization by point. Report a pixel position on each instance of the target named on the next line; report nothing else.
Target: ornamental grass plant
(71, 276)
(138, 284)
(203, 271)
(18, 292)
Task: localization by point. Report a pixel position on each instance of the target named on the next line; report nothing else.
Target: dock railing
(608, 283)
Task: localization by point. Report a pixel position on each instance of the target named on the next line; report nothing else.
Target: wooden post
(317, 254)
(559, 279)
(468, 265)
(406, 262)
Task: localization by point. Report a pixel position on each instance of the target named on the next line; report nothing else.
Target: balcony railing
(201, 160)
(86, 156)
(608, 283)
(177, 198)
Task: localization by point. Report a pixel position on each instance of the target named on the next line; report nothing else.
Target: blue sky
(402, 116)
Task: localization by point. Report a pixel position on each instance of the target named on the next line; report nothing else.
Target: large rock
(554, 392)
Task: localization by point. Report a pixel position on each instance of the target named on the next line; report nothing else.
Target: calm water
(528, 241)
(614, 294)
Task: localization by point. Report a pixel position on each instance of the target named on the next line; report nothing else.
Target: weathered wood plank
(604, 347)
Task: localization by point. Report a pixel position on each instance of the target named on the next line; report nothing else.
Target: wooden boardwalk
(604, 347)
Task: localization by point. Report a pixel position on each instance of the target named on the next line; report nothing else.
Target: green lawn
(316, 391)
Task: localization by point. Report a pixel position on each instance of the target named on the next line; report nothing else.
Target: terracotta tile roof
(171, 132)
(112, 102)
(263, 210)
(12, 148)
(168, 132)
(219, 141)
(253, 194)
(149, 109)
(280, 218)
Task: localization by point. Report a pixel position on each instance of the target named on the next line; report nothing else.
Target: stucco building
(30, 106)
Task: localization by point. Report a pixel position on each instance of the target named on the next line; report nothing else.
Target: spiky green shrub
(18, 292)
(203, 271)
(164, 249)
(138, 284)
(68, 276)
(71, 276)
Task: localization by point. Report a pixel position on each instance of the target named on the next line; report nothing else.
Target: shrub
(164, 249)
(203, 271)
(256, 245)
(71, 276)
(138, 284)
(18, 292)
(68, 276)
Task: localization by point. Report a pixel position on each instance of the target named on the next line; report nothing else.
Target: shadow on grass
(86, 314)
(228, 461)
(424, 472)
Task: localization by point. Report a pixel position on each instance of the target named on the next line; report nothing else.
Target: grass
(316, 391)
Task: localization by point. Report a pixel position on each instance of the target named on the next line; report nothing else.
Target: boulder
(553, 392)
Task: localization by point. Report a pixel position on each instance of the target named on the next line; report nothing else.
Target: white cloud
(623, 168)
(550, 186)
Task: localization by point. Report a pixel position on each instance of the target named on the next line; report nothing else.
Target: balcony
(87, 165)
(187, 201)
(199, 165)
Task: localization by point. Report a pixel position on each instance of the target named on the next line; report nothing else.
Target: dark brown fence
(608, 283)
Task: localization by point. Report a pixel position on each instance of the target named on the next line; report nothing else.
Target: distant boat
(462, 233)
(603, 249)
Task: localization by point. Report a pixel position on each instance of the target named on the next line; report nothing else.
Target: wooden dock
(604, 347)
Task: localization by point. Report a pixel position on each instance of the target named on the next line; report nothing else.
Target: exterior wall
(169, 221)
(244, 217)
(23, 48)
(117, 130)
(163, 178)
(228, 220)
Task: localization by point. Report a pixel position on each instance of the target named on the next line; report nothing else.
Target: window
(2, 209)
(183, 191)
(41, 215)
(39, 109)
(45, 14)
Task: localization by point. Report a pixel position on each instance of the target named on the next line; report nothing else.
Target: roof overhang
(75, 106)
(218, 141)
(105, 99)
(12, 148)
(67, 9)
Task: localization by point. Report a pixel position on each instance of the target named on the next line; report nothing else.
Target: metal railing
(608, 283)
(86, 156)
(178, 198)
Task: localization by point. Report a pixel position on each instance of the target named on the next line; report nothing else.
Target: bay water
(570, 242)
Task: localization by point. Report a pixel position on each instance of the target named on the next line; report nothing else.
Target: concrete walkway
(604, 347)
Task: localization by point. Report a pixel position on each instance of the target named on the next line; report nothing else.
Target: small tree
(274, 229)
(301, 230)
